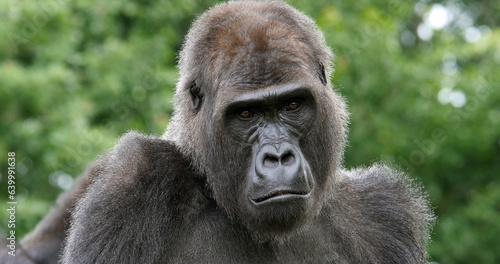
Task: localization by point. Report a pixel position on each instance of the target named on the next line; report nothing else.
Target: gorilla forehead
(260, 28)
(256, 48)
(253, 44)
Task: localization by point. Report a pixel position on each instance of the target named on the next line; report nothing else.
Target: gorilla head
(256, 113)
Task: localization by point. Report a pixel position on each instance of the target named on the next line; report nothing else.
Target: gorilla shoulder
(138, 159)
(134, 151)
(391, 212)
(142, 177)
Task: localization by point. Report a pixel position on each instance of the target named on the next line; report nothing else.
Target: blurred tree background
(422, 79)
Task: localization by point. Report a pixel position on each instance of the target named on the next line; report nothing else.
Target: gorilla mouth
(280, 195)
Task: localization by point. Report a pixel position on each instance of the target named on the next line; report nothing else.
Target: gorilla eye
(293, 105)
(246, 114)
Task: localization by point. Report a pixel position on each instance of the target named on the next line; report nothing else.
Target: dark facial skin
(272, 122)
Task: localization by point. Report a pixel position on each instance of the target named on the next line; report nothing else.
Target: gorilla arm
(123, 217)
(383, 214)
(44, 244)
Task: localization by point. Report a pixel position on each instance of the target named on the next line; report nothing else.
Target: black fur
(149, 206)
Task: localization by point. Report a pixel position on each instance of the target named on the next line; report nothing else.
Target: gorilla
(249, 169)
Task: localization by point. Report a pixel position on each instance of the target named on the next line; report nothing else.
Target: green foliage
(74, 75)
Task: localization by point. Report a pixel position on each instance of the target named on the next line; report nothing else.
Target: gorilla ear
(322, 73)
(196, 96)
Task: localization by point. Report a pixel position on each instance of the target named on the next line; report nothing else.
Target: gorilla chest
(215, 240)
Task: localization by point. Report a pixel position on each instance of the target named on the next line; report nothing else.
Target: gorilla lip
(280, 195)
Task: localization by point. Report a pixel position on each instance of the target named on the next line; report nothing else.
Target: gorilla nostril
(271, 161)
(287, 159)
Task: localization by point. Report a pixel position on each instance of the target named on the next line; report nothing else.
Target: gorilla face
(272, 150)
(257, 115)
(270, 123)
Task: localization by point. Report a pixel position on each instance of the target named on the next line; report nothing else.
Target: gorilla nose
(278, 159)
(280, 171)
